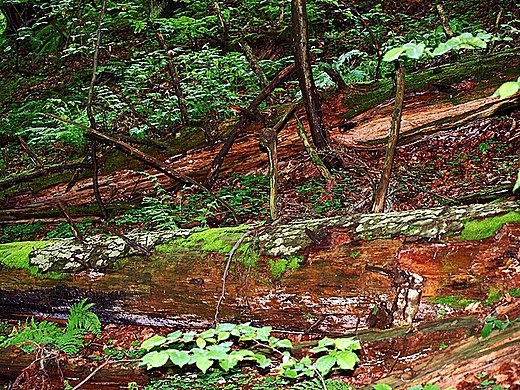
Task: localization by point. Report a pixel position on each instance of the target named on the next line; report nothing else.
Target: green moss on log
(16, 255)
(476, 230)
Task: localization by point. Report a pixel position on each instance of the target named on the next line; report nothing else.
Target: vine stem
(106, 363)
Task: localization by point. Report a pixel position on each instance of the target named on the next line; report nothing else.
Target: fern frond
(81, 318)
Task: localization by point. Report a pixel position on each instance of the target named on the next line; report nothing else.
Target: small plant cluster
(229, 344)
(247, 195)
(495, 323)
(70, 340)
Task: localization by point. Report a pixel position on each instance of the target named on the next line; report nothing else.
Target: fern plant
(317, 384)
(70, 340)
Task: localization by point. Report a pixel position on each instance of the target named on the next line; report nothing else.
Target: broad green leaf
(507, 89)
(153, 341)
(201, 343)
(203, 363)
(290, 373)
(223, 336)
(477, 43)
(228, 363)
(217, 355)
(517, 184)
(347, 343)
(264, 333)
(414, 51)
(346, 360)
(188, 337)
(416, 387)
(207, 334)
(486, 330)
(262, 360)
(175, 336)
(155, 359)
(180, 358)
(227, 327)
(325, 363)
(285, 343)
(453, 43)
(441, 49)
(465, 36)
(380, 386)
(393, 54)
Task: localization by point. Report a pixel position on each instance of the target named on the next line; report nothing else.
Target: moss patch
(476, 230)
(16, 255)
(219, 240)
(455, 301)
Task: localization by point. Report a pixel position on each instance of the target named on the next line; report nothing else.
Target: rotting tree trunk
(330, 293)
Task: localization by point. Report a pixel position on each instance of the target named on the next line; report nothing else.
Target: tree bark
(311, 98)
(393, 137)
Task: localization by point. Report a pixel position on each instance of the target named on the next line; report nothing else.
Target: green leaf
(155, 359)
(346, 360)
(264, 333)
(188, 337)
(413, 50)
(175, 336)
(227, 327)
(325, 363)
(486, 330)
(179, 358)
(347, 343)
(507, 89)
(228, 363)
(262, 360)
(153, 341)
(285, 343)
(217, 354)
(380, 386)
(441, 49)
(208, 334)
(517, 184)
(201, 343)
(393, 54)
(430, 386)
(290, 373)
(223, 336)
(203, 363)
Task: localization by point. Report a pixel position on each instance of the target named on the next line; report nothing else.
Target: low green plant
(70, 340)
(494, 323)
(279, 267)
(229, 344)
(476, 230)
(20, 232)
(63, 229)
(455, 301)
(318, 384)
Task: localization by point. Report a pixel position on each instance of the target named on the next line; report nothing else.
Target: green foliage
(20, 232)
(229, 344)
(455, 301)
(417, 50)
(279, 267)
(30, 334)
(63, 229)
(16, 255)
(507, 89)
(247, 195)
(494, 323)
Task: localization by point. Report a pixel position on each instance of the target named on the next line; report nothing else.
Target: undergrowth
(32, 334)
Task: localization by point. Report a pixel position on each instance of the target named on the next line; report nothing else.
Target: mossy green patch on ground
(455, 301)
(476, 230)
(279, 267)
(16, 255)
(220, 240)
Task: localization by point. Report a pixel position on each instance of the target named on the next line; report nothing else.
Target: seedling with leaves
(229, 344)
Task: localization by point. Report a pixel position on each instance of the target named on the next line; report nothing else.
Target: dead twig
(226, 271)
(106, 363)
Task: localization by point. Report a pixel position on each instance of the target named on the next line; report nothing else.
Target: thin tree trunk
(91, 117)
(311, 98)
(268, 139)
(444, 20)
(253, 63)
(382, 188)
(318, 163)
